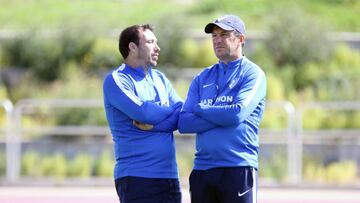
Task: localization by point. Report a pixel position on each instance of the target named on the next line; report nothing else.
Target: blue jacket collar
(231, 64)
(137, 70)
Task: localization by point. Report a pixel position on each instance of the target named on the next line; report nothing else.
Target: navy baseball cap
(227, 22)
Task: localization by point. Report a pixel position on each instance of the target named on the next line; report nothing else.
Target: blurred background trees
(44, 41)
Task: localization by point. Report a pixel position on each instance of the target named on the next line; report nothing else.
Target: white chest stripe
(129, 94)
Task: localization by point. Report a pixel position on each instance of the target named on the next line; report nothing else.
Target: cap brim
(209, 27)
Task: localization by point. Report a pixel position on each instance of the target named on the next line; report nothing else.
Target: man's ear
(132, 46)
(242, 39)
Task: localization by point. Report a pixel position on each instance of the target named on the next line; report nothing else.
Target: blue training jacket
(130, 94)
(224, 106)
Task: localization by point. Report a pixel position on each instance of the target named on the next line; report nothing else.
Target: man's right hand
(142, 126)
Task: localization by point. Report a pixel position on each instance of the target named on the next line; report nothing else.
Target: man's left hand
(142, 126)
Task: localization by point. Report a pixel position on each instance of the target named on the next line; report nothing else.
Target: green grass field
(340, 15)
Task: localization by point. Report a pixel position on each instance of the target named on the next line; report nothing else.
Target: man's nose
(157, 48)
(216, 40)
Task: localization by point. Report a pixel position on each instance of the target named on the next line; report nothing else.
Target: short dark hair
(238, 34)
(131, 34)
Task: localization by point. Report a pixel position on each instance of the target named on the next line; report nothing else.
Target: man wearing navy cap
(224, 107)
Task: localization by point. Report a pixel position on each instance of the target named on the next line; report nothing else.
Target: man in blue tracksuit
(224, 106)
(142, 110)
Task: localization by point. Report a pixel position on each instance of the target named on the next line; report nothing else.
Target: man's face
(148, 49)
(226, 44)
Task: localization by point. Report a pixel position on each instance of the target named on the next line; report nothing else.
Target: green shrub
(171, 35)
(15, 51)
(196, 54)
(81, 116)
(81, 166)
(291, 41)
(342, 172)
(181, 87)
(206, 7)
(312, 119)
(274, 119)
(2, 164)
(354, 120)
(87, 85)
(60, 166)
(103, 55)
(344, 74)
(275, 88)
(308, 74)
(188, 52)
(348, 57)
(54, 166)
(287, 74)
(313, 172)
(104, 166)
(45, 57)
(3, 92)
(206, 56)
(3, 121)
(65, 88)
(334, 119)
(275, 168)
(31, 164)
(262, 57)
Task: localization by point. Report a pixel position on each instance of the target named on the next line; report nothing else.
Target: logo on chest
(233, 82)
(220, 100)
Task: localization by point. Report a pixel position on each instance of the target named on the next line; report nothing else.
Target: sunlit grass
(105, 14)
(55, 14)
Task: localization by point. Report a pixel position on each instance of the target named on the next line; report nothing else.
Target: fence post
(299, 144)
(15, 147)
(292, 146)
(9, 107)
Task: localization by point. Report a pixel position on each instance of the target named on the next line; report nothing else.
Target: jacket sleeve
(188, 121)
(119, 91)
(170, 124)
(252, 91)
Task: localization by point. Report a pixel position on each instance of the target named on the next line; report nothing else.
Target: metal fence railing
(27, 105)
(293, 130)
(10, 141)
(292, 139)
(307, 137)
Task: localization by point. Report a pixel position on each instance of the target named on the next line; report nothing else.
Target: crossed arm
(188, 121)
(146, 115)
(169, 124)
(197, 117)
